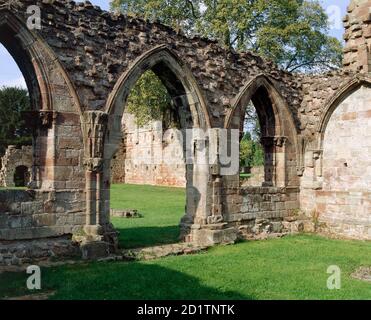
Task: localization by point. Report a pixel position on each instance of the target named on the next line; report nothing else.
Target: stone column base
(97, 241)
(92, 250)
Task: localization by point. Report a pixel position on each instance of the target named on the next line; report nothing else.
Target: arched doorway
(191, 113)
(276, 131)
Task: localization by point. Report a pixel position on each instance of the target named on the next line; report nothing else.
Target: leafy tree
(251, 152)
(13, 130)
(179, 14)
(149, 99)
(292, 33)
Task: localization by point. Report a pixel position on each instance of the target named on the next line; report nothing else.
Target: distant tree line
(13, 129)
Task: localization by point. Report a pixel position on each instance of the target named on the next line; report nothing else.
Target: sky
(10, 75)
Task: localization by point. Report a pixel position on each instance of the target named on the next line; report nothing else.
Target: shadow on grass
(116, 281)
(147, 236)
(128, 281)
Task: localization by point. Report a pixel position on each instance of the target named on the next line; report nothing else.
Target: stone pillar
(100, 238)
(268, 146)
(280, 161)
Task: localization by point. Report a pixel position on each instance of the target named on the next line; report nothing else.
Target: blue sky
(11, 76)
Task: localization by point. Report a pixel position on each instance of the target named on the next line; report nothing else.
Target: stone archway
(55, 106)
(57, 175)
(279, 134)
(103, 136)
(16, 158)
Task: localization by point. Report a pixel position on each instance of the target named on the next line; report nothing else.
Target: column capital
(94, 124)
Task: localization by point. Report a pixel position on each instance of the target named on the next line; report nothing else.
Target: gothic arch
(36, 61)
(278, 127)
(54, 100)
(281, 110)
(185, 84)
(186, 94)
(331, 105)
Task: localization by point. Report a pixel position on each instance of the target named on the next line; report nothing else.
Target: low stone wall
(30, 214)
(261, 202)
(29, 251)
(254, 213)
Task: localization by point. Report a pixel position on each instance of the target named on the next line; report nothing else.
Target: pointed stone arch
(55, 104)
(278, 126)
(187, 96)
(340, 178)
(161, 57)
(37, 62)
(332, 103)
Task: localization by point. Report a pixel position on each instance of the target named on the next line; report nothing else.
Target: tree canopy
(13, 130)
(149, 99)
(292, 33)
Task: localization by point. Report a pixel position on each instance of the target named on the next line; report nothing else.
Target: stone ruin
(80, 67)
(127, 213)
(16, 160)
(139, 159)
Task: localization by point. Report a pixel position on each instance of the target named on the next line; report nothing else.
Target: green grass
(289, 268)
(162, 208)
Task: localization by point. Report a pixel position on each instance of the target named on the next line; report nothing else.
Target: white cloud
(19, 82)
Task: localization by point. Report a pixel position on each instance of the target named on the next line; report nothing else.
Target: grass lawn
(162, 208)
(289, 268)
(293, 267)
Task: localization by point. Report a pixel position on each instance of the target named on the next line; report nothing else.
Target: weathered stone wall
(344, 202)
(149, 155)
(35, 214)
(357, 23)
(256, 179)
(13, 158)
(97, 47)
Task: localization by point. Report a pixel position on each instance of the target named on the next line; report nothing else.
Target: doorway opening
(148, 172)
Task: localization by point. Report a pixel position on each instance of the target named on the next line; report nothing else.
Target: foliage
(292, 33)
(251, 152)
(13, 130)
(175, 13)
(149, 99)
